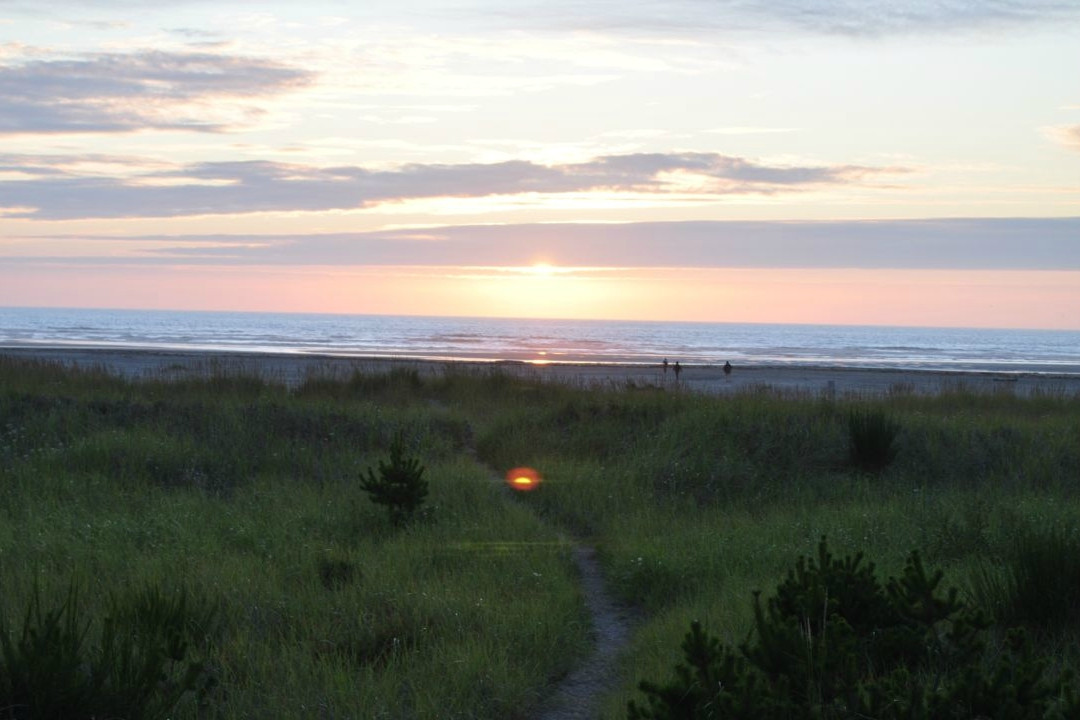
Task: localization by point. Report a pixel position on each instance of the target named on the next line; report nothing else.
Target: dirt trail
(578, 695)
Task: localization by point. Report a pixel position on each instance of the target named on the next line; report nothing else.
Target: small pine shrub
(872, 440)
(400, 484)
(834, 643)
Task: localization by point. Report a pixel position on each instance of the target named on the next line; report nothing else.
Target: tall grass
(137, 663)
(1037, 582)
(696, 502)
(872, 439)
(249, 490)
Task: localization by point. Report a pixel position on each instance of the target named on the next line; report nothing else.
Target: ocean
(548, 341)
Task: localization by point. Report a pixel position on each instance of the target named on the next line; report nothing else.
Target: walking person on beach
(665, 367)
(727, 369)
(677, 371)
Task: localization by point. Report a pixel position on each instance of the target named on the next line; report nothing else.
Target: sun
(542, 269)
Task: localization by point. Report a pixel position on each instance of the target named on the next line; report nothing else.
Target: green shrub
(400, 484)
(835, 643)
(872, 440)
(138, 669)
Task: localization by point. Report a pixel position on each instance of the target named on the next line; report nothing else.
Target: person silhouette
(678, 370)
(727, 368)
(665, 366)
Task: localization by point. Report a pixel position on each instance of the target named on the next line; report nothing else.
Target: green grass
(252, 491)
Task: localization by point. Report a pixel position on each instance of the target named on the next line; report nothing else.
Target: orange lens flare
(523, 479)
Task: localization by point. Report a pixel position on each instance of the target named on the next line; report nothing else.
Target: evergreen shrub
(834, 643)
(400, 485)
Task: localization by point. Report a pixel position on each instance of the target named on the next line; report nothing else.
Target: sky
(796, 161)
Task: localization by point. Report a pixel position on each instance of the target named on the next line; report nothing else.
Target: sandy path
(578, 695)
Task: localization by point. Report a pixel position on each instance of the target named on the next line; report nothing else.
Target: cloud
(887, 17)
(43, 164)
(1066, 135)
(216, 188)
(123, 92)
(872, 18)
(945, 244)
(749, 130)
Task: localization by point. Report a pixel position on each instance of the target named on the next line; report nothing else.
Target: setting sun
(542, 269)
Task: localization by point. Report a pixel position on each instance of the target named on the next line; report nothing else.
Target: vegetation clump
(835, 643)
(872, 440)
(400, 484)
(137, 666)
(1037, 584)
(336, 574)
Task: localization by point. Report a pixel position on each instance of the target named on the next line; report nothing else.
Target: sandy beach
(293, 369)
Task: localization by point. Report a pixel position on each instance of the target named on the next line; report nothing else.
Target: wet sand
(293, 369)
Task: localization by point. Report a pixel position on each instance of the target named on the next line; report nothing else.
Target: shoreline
(292, 369)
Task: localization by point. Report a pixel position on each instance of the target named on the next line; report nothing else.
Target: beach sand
(293, 369)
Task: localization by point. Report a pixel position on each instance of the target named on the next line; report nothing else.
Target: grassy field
(245, 496)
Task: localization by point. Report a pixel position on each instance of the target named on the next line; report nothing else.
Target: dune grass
(697, 502)
(251, 492)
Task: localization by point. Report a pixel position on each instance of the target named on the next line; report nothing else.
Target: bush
(138, 669)
(834, 643)
(400, 484)
(872, 440)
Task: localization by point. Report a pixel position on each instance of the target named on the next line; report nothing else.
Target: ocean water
(565, 341)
